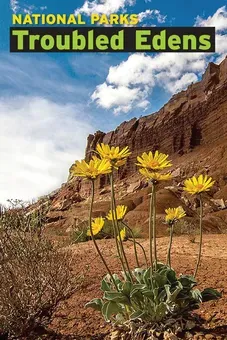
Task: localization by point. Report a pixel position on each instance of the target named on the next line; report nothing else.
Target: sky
(50, 102)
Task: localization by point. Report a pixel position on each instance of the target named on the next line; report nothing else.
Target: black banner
(112, 39)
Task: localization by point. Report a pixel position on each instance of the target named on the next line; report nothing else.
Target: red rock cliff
(197, 116)
(191, 128)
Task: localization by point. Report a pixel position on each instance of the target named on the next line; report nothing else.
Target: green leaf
(95, 304)
(171, 296)
(161, 311)
(148, 293)
(137, 315)
(147, 276)
(188, 281)
(196, 294)
(126, 288)
(116, 279)
(109, 281)
(171, 276)
(161, 266)
(105, 286)
(137, 288)
(160, 279)
(156, 293)
(110, 308)
(210, 294)
(118, 297)
(138, 274)
(119, 286)
(162, 296)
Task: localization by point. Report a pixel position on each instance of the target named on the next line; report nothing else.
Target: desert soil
(74, 321)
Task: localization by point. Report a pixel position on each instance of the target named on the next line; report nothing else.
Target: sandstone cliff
(191, 128)
(193, 117)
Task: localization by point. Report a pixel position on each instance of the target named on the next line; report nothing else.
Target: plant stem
(154, 223)
(134, 243)
(93, 237)
(115, 230)
(170, 246)
(123, 257)
(201, 234)
(137, 243)
(150, 232)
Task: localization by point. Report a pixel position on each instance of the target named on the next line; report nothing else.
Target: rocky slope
(191, 118)
(192, 129)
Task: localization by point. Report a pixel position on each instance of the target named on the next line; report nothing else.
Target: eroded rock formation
(191, 128)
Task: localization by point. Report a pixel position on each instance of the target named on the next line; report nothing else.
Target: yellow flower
(122, 235)
(174, 214)
(120, 213)
(154, 176)
(156, 161)
(197, 185)
(92, 169)
(116, 157)
(96, 225)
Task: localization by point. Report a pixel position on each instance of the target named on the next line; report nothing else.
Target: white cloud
(152, 14)
(14, 4)
(113, 6)
(39, 141)
(143, 104)
(131, 82)
(107, 95)
(182, 83)
(221, 46)
(18, 6)
(218, 20)
(135, 70)
(221, 43)
(173, 72)
(104, 6)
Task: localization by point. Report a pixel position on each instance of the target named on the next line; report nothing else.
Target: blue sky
(49, 103)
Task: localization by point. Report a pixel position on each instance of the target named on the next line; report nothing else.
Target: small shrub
(79, 233)
(19, 217)
(137, 231)
(184, 227)
(34, 276)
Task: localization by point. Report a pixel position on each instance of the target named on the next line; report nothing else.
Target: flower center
(200, 186)
(154, 164)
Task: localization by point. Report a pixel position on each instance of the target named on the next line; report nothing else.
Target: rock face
(191, 128)
(191, 118)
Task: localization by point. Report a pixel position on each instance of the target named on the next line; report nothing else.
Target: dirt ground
(73, 319)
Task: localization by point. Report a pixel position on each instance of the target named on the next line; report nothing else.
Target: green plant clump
(150, 299)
